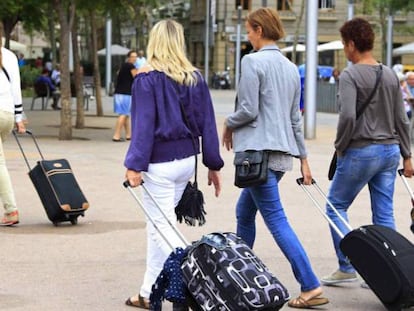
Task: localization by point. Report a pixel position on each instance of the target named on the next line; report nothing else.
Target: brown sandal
(301, 303)
(142, 302)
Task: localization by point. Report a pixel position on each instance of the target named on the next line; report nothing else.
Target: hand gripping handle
(320, 209)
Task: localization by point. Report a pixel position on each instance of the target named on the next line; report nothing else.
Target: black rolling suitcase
(382, 256)
(56, 186)
(222, 273)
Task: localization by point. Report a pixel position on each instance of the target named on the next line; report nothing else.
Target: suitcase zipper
(381, 238)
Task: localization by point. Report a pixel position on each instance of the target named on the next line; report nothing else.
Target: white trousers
(6, 189)
(166, 182)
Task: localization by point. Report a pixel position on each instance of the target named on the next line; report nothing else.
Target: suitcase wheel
(73, 221)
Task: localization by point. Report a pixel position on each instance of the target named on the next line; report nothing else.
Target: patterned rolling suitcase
(222, 273)
(61, 196)
(382, 256)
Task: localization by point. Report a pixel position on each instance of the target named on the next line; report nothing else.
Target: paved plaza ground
(98, 263)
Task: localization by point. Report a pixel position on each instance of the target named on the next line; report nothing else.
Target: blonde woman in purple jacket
(161, 152)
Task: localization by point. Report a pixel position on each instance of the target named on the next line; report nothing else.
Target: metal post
(206, 41)
(264, 3)
(70, 52)
(311, 68)
(238, 46)
(389, 38)
(108, 56)
(351, 9)
(226, 60)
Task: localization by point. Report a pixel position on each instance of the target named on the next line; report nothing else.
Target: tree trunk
(78, 78)
(383, 24)
(8, 26)
(65, 12)
(96, 74)
(295, 40)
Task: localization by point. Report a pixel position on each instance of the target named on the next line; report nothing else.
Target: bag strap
(365, 105)
(187, 123)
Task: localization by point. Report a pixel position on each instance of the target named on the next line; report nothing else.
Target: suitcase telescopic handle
(299, 181)
(410, 191)
(140, 203)
(28, 132)
(406, 184)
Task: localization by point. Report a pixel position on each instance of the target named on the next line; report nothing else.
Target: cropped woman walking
(11, 110)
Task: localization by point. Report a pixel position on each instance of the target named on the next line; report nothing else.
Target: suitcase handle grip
(127, 184)
(299, 181)
(216, 240)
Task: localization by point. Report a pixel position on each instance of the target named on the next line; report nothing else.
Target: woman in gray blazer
(267, 117)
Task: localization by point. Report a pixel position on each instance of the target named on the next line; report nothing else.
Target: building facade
(223, 25)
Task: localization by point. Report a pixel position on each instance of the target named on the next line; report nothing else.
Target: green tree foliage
(383, 9)
(28, 11)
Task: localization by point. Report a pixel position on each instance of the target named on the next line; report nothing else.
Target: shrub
(28, 75)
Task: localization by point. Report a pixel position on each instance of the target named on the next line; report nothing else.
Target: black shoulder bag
(190, 208)
(250, 166)
(332, 165)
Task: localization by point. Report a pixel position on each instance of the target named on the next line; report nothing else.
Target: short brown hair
(268, 19)
(131, 52)
(360, 32)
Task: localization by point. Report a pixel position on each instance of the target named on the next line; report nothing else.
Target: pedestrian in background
(55, 75)
(405, 93)
(410, 82)
(122, 97)
(21, 60)
(141, 60)
(335, 76)
(163, 147)
(11, 114)
(268, 117)
(368, 148)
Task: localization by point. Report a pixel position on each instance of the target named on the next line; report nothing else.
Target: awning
(404, 49)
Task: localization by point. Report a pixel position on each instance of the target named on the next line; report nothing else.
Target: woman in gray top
(368, 148)
(267, 117)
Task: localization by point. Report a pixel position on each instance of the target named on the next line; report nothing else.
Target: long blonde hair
(166, 52)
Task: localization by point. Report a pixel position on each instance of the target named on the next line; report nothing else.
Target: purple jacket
(159, 133)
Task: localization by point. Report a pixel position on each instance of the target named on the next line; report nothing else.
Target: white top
(10, 91)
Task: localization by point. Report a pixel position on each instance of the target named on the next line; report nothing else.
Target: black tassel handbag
(190, 208)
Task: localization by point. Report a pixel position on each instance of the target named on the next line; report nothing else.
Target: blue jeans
(265, 199)
(375, 165)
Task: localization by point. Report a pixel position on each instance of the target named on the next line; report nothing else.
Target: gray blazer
(267, 114)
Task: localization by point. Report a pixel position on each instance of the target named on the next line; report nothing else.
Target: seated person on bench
(44, 78)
